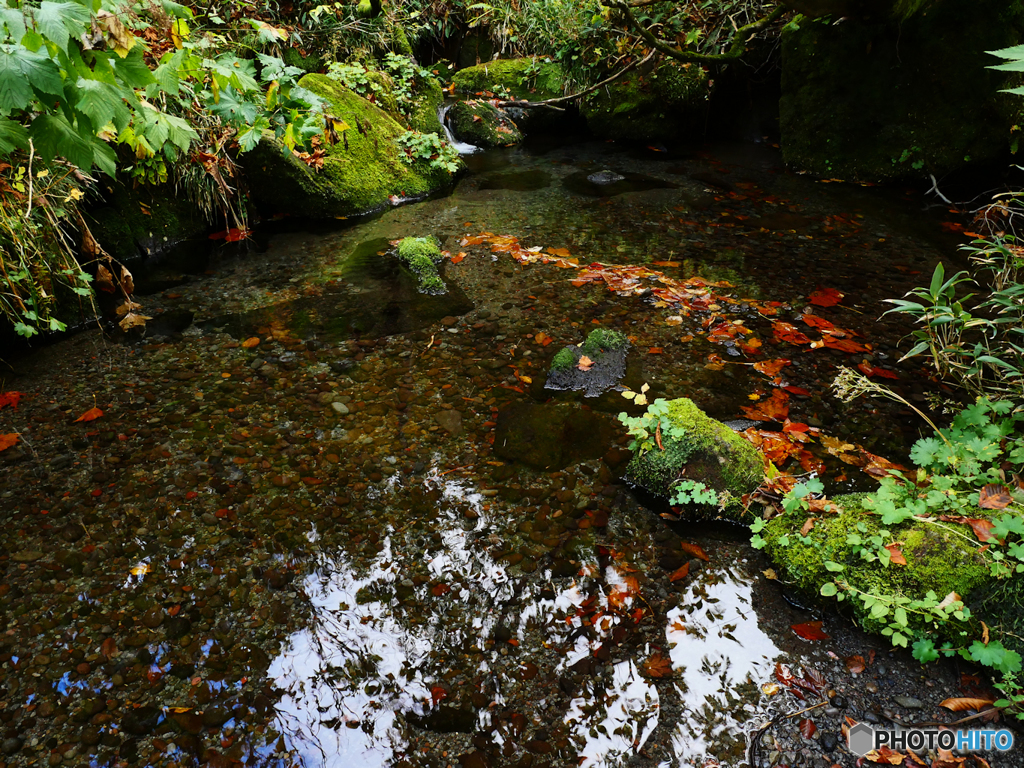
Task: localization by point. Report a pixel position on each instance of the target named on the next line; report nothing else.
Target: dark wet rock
(607, 353)
(140, 721)
(445, 719)
(550, 436)
(581, 184)
(169, 322)
(828, 741)
(380, 298)
(482, 124)
(474, 759)
(605, 177)
(11, 745)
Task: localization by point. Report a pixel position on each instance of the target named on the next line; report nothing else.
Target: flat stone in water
(605, 177)
(581, 184)
(909, 702)
(450, 421)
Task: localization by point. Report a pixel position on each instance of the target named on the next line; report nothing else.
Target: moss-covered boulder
(526, 79)
(360, 172)
(706, 451)
(886, 100)
(137, 224)
(421, 255)
(427, 100)
(940, 557)
(483, 125)
(657, 105)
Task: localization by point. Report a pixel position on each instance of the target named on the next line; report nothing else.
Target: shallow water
(294, 525)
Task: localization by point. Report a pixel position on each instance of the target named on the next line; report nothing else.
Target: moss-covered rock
(601, 340)
(427, 100)
(135, 224)
(422, 255)
(886, 100)
(527, 79)
(359, 173)
(654, 106)
(483, 125)
(939, 559)
(708, 452)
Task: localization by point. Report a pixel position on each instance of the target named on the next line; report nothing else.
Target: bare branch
(550, 103)
(736, 49)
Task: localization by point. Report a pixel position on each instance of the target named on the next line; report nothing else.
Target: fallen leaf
(775, 408)
(807, 527)
(855, 664)
(982, 528)
(789, 333)
(108, 647)
(437, 693)
(657, 666)
(810, 630)
(251, 342)
(817, 322)
(696, 551)
(868, 370)
(10, 398)
(456, 259)
(807, 728)
(585, 363)
(91, 415)
(542, 338)
(825, 297)
(948, 600)
(963, 704)
(771, 367)
(769, 573)
(886, 756)
(655, 351)
(6, 441)
(681, 573)
(994, 496)
(440, 589)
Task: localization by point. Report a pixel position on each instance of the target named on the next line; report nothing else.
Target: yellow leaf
(141, 569)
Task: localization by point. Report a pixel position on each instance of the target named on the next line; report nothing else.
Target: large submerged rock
(550, 436)
(887, 100)
(360, 172)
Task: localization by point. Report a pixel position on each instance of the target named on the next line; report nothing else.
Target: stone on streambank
(422, 255)
(483, 125)
(708, 452)
(360, 172)
(939, 560)
(885, 100)
(525, 79)
(654, 105)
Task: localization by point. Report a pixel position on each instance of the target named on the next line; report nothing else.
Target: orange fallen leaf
(896, 554)
(655, 351)
(807, 527)
(994, 496)
(681, 573)
(826, 297)
(542, 338)
(789, 333)
(458, 258)
(963, 704)
(6, 441)
(775, 408)
(251, 342)
(868, 370)
(10, 398)
(657, 666)
(771, 367)
(855, 664)
(696, 551)
(809, 630)
(91, 415)
(585, 363)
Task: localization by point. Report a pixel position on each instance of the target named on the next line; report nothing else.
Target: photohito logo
(862, 738)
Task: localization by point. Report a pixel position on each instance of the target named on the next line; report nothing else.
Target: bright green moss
(426, 101)
(527, 78)
(564, 360)
(360, 172)
(938, 560)
(601, 340)
(421, 255)
(708, 452)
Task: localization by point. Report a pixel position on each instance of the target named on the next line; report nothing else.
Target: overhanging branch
(735, 51)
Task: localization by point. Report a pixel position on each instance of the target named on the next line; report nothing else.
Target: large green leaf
(14, 20)
(1016, 52)
(53, 136)
(104, 156)
(40, 70)
(232, 109)
(1010, 66)
(102, 103)
(13, 135)
(61, 21)
(132, 69)
(15, 92)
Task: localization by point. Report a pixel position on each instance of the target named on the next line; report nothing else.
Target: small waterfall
(460, 146)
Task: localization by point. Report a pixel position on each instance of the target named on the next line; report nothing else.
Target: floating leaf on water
(826, 297)
(10, 398)
(6, 441)
(694, 550)
(680, 573)
(657, 665)
(251, 342)
(139, 569)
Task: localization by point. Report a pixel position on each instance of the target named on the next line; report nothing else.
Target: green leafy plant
(648, 429)
(693, 492)
(431, 148)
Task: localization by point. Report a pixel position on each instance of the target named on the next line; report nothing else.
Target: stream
(338, 522)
